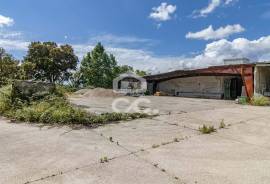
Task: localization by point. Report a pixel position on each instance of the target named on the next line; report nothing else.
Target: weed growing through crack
(155, 146)
(165, 143)
(207, 129)
(222, 124)
(104, 159)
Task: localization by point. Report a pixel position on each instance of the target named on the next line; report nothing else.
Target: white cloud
(163, 12)
(227, 2)
(12, 41)
(14, 45)
(138, 58)
(10, 34)
(6, 21)
(111, 39)
(211, 34)
(212, 6)
(213, 54)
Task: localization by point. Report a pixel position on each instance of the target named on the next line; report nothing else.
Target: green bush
(260, 101)
(5, 100)
(243, 100)
(55, 108)
(207, 129)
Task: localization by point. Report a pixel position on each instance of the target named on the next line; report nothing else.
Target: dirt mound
(97, 92)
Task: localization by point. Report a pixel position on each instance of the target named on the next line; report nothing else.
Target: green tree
(9, 68)
(141, 73)
(98, 68)
(51, 62)
(27, 70)
(124, 69)
(75, 80)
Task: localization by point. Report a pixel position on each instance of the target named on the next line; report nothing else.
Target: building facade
(217, 82)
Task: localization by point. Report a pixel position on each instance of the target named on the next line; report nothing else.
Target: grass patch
(55, 109)
(260, 101)
(207, 129)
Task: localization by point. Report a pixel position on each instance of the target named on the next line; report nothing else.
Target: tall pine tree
(98, 68)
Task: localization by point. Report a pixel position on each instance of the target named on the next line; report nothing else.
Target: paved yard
(238, 154)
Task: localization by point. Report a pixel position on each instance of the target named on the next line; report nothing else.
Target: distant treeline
(47, 61)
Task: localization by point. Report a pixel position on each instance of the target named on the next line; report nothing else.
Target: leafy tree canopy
(98, 68)
(9, 68)
(49, 62)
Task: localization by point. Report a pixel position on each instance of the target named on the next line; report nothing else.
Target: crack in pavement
(74, 169)
(135, 153)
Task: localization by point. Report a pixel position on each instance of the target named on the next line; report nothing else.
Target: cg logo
(125, 105)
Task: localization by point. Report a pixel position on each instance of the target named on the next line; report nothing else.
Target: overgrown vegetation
(9, 68)
(54, 109)
(243, 100)
(207, 129)
(260, 101)
(50, 62)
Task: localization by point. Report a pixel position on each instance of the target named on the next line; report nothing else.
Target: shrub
(260, 101)
(242, 100)
(207, 129)
(5, 100)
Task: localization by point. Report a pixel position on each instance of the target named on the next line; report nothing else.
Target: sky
(152, 35)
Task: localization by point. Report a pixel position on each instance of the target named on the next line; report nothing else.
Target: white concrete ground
(240, 153)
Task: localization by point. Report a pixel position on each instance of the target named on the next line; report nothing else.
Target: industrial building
(237, 77)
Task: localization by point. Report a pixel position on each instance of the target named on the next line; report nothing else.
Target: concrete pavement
(166, 149)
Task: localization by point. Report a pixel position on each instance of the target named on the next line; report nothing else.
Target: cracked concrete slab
(254, 132)
(213, 160)
(36, 153)
(143, 133)
(129, 169)
(165, 105)
(230, 116)
(237, 154)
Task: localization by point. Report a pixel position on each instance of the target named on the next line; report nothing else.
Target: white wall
(203, 86)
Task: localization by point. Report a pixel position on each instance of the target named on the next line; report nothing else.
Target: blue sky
(147, 34)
